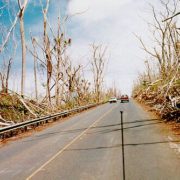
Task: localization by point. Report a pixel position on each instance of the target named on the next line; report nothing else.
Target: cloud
(95, 10)
(108, 22)
(111, 22)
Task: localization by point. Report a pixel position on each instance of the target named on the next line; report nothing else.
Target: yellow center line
(69, 144)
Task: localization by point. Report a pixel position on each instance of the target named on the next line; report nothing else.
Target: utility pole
(122, 136)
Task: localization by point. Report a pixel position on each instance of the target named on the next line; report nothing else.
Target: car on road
(124, 98)
(113, 100)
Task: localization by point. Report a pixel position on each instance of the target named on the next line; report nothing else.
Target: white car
(113, 100)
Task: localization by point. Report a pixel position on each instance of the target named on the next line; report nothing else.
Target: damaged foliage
(159, 85)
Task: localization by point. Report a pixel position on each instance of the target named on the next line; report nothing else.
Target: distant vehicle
(124, 98)
(113, 100)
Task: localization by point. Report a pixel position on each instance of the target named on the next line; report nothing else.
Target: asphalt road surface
(88, 147)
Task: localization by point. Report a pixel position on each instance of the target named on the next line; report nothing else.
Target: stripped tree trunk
(35, 69)
(48, 54)
(98, 68)
(23, 43)
(7, 75)
(59, 58)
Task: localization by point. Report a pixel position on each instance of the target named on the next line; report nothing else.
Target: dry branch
(26, 106)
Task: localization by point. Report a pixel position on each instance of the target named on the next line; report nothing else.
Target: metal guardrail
(9, 131)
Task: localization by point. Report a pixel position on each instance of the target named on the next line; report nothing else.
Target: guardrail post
(2, 137)
(25, 128)
(11, 133)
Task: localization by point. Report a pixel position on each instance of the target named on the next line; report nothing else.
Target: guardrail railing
(12, 130)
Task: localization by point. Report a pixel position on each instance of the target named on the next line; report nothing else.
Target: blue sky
(109, 22)
(33, 22)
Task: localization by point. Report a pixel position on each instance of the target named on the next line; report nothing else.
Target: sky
(112, 23)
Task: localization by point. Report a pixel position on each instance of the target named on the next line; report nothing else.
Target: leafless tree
(20, 15)
(35, 67)
(72, 73)
(22, 8)
(10, 30)
(98, 67)
(53, 49)
(165, 51)
(8, 55)
(60, 45)
(166, 37)
(4, 76)
(47, 52)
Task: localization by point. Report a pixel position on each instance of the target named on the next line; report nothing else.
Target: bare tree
(72, 73)
(47, 52)
(4, 76)
(22, 7)
(20, 16)
(165, 36)
(35, 67)
(8, 55)
(58, 49)
(61, 44)
(10, 30)
(5, 72)
(98, 67)
(163, 85)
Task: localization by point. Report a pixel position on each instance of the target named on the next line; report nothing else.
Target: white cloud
(94, 10)
(112, 22)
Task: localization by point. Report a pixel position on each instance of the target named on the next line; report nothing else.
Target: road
(88, 147)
